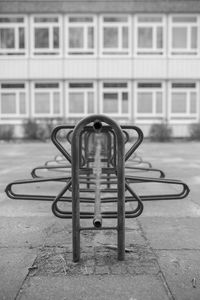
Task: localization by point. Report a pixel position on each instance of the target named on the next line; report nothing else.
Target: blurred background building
(137, 61)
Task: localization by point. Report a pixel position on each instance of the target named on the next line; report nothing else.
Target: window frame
(114, 90)
(15, 52)
(180, 52)
(51, 114)
(17, 100)
(46, 52)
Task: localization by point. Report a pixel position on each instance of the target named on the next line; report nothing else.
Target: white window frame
(85, 91)
(50, 51)
(186, 117)
(179, 52)
(51, 114)
(153, 115)
(17, 92)
(84, 25)
(119, 51)
(154, 51)
(15, 25)
(118, 90)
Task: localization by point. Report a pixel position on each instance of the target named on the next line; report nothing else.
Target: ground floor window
(46, 99)
(13, 100)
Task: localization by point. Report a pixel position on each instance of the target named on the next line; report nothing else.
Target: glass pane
(46, 20)
(183, 85)
(81, 85)
(115, 19)
(149, 85)
(110, 37)
(184, 19)
(193, 103)
(159, 42)
(12, 85)
(90, 37)
(145, 37)
(179, 102)
(7, 36)
(149, 19)
(76, 37)
(124, 37)
(80, 19)
(194, 37)
(76, 102)
(110, 102)
(56, 37)
(159, 102)
(125, 103)
(46, 85)
(41, 38)
(145, 102)
(90, 102)
(22, 103)
(21, 38)
(115, 85)
(56, 103)
(8, 103)
(42, 103)
(11, 20)
(179, 37)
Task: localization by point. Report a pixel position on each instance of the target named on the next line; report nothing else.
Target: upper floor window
(46, 35)
(80, 99)
(47, 99)
(149, 35)
(12, 35)
(115, 35)
(183, 35)
(13, 100)
(183, 100)
(149, 101)
(80, 32)
(115, 99)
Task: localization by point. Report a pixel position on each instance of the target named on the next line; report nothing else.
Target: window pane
(76, 102)
(125, 102)
(90, 37)
(41, 38)
(193, 102)
(46, 20)
(149, 85)
(179, 102)
(80, 19)
(145, 37)
(90, 102)
(115, 19)
(56, 103)
(46, 85)
(194, 37)
(149, 19)
(21, 38)
(124, 37)
(7, 38)
(85, 85)
(110, 37)
(8, 103)
(144, 102)
(184, 19)
(76, 37)
(22, 103)
(159, 42)
(115, 85)
(110, 103)
(11, 20)
(184, 85)
(158, 102)
(56, 37)
(179, 38)
(42, 105)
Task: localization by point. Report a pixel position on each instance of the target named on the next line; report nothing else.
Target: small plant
(6, 132)
(30, 129)
(160, 132)
(194, 131)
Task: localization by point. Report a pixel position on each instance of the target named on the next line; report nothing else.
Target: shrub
(6, 132)
(194, 131)
(160, 132)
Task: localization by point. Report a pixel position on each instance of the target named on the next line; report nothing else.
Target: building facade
(137, 61)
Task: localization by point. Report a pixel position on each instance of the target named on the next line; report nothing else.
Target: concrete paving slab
(14, 266)
(181, 271)
(172, 233)
(94, 287)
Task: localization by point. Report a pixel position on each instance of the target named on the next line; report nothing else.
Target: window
(46, 35)
(183, 35)
(115, 35)
(183, 100)
(12, 35)
(81, 99)
(81, 35)
(149, 101)
(115, 99)
(13, 100)
(149, 35)
(47, 99)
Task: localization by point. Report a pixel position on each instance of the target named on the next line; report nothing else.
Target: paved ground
(163, 261)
